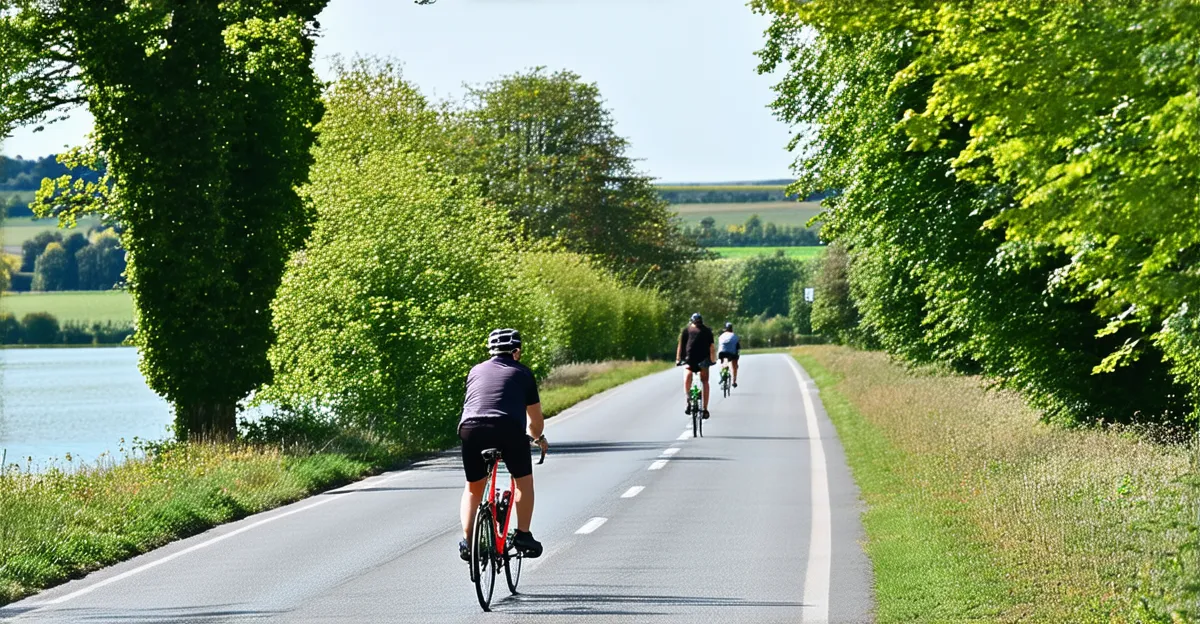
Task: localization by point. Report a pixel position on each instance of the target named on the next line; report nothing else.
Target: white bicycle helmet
(503, 341)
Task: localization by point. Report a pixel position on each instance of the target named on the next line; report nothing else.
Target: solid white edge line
(591, 525)
(633, 491)
(820, 540)
(658, 464)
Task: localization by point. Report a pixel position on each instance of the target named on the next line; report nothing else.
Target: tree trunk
(206, 422)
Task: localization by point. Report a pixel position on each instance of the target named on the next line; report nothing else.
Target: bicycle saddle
(491, 455)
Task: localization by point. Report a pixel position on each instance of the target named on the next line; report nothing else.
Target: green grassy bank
(976, 512)
(64, 523)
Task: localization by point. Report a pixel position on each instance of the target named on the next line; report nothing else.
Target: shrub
(39, 328)
(10, 329)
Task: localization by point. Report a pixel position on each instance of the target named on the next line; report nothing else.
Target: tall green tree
(204, 114)
(52, 269)
(543, 147)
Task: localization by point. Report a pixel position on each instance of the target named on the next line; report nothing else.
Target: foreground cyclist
(696, 349)
(502, 399)
(729, 348)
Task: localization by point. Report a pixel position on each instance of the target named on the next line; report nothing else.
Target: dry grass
(1086, 525)
(569, 384)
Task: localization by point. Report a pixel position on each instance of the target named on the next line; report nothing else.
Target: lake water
(77, 401)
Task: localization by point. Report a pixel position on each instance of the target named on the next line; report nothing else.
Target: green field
(778, 212)
(16, 231)
(93, 306)
(803, 253)
(720, 188)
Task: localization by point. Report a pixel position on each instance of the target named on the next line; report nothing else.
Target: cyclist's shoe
(705, 414)
(687, 408)
(523, 541)
(735, 384)
(464, 551)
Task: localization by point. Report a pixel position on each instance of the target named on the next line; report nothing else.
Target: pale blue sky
(679, 75)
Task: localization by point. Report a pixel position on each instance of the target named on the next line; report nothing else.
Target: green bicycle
(695, 398)
(725, 380)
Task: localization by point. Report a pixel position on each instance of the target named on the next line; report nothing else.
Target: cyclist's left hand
(543, 444)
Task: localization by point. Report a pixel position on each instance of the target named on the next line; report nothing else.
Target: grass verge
(976, 512)
(61, 524)
(568, 385)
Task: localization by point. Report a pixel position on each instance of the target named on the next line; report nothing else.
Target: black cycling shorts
(512, 442)
(725, 355)
(696, 367)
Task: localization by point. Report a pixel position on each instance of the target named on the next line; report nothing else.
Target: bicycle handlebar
(543, 457)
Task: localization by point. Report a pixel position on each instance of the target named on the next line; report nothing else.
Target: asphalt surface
(758, 521)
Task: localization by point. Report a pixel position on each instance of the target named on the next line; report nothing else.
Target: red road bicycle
(490, 547)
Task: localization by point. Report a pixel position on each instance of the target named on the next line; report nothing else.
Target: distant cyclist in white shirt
(729, 348)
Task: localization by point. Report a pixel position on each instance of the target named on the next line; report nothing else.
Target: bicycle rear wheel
(512, 570)
(696, 416)
(483, 557)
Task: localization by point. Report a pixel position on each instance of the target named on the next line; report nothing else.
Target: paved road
(756, 522)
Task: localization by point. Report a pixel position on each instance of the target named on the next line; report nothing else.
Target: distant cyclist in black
(697, 350)
(502, 400)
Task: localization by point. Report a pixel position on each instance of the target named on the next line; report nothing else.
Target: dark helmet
(728, 326)
(503, 341)
(696, 318)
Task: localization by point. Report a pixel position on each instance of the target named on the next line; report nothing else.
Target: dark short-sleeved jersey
(697, 343)
(499, 390)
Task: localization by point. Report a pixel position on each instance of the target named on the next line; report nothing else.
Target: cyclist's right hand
(678, 362)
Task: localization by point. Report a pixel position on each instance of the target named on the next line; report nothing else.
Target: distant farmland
(777, 212)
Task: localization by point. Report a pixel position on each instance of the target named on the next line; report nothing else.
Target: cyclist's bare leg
(472, 494)
(687, 384)
(734, 363)
(704, 382)
(524, 487)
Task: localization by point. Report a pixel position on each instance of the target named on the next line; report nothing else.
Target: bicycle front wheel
(696, 416)
(483, 557)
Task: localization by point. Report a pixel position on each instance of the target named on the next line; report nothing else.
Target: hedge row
(43, 328)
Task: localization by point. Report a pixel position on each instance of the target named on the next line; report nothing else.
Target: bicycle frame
(502, 529)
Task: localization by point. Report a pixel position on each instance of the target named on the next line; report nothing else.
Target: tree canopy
(1019, 186)
(542, 146)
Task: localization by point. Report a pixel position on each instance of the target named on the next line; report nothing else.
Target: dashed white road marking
(820, 558)
(591, 525)
(685, 435)
(658, 464)
(633, 491)
(669, 452)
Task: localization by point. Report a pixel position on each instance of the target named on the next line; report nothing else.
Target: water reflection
(81, 402)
